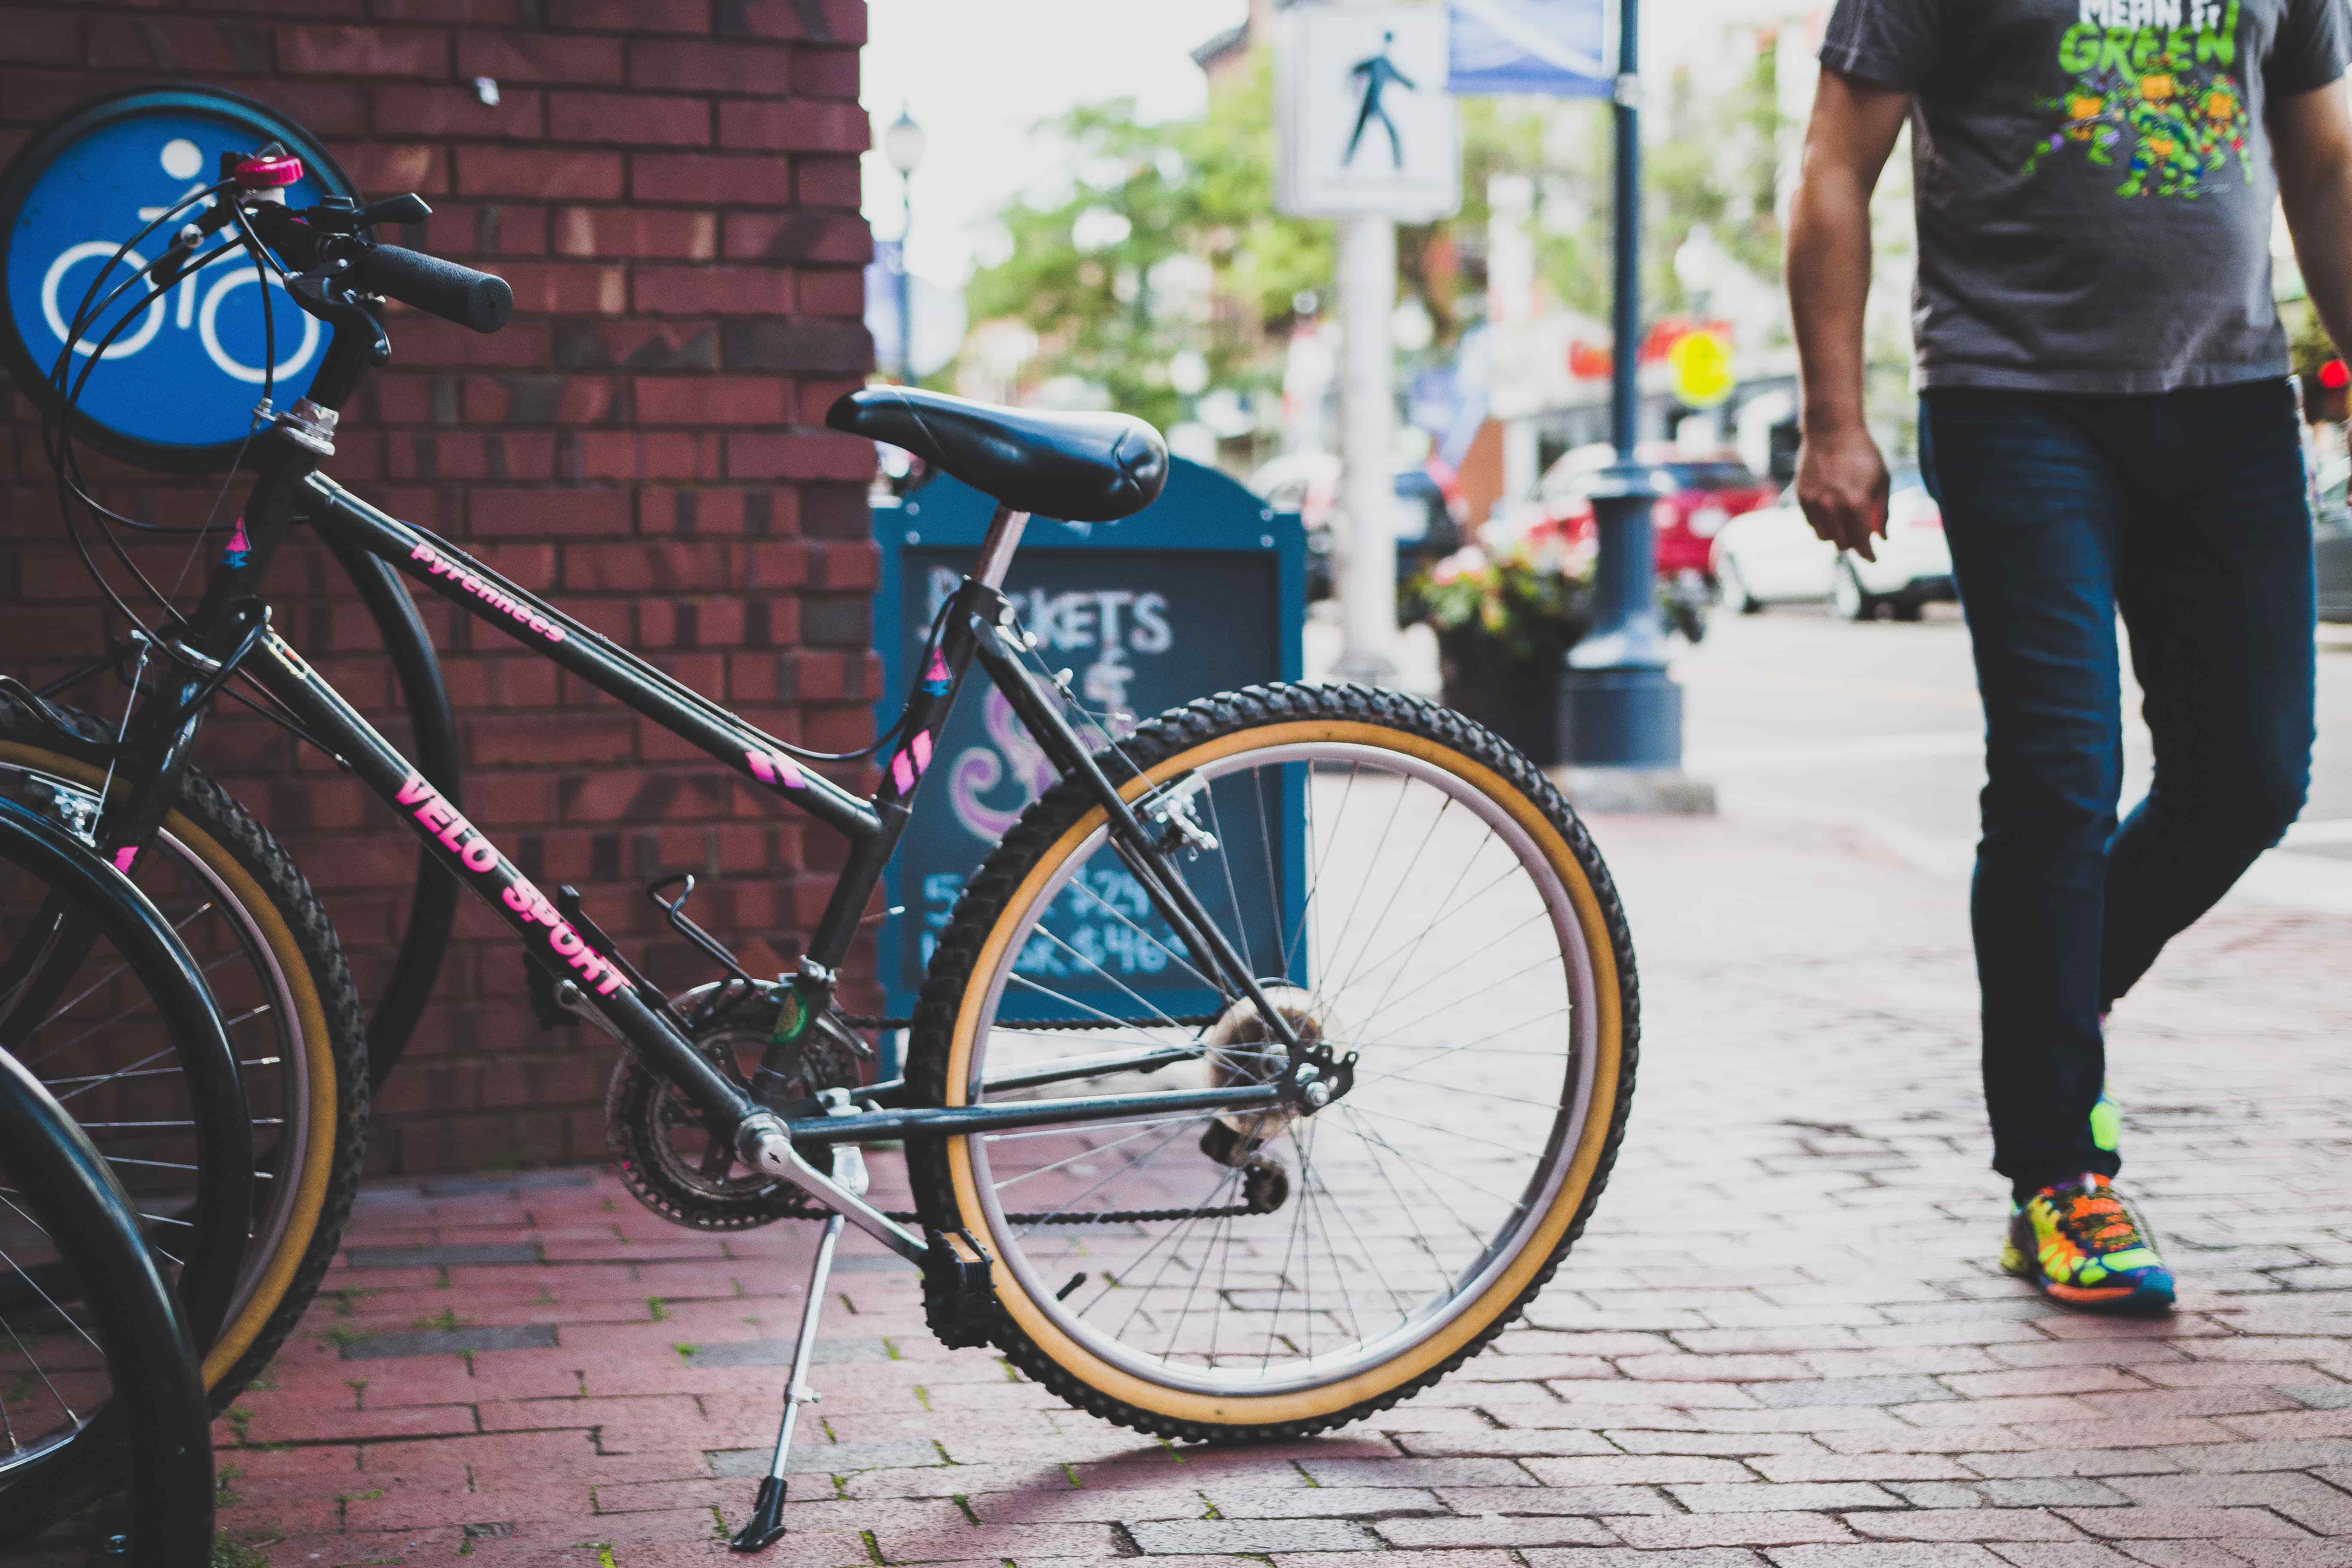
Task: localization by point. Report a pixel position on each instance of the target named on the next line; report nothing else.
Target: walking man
(1378, 71)
(2105, 418)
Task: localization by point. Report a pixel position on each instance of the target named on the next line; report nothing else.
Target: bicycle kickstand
(766, 1524)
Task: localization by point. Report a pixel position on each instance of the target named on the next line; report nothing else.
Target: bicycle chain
(1116, 1216)
(799, 1205)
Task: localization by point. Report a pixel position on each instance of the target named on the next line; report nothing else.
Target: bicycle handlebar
(481, 300)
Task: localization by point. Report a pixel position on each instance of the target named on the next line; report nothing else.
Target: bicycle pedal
(959, 1292)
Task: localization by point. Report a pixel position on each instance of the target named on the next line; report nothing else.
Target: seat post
(996, 550)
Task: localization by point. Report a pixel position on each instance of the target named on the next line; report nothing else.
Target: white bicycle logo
(181, 159)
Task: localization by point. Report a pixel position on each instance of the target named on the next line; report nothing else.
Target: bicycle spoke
(56, 1013)
(35, 1284)
(1123, 917)
(109, 1023)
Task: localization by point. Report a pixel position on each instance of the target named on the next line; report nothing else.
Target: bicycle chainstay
(1115, 1217)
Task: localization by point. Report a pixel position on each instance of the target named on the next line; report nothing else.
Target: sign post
(1368, 136)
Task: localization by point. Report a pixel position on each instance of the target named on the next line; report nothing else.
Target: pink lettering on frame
(488, 592)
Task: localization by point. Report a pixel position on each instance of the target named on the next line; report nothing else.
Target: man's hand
(1840, 477)
(1841, 487)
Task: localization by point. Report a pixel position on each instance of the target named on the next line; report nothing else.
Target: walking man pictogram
(1378, 71)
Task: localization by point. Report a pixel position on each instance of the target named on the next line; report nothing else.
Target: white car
(1772, 556)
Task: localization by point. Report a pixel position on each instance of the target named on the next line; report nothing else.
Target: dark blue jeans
(2187, 511)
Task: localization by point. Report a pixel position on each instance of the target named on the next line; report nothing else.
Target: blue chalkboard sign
(1201, 592)
(176, 387)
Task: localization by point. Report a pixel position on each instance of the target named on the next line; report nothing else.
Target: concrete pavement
(1794, 714)
(1784, 1341)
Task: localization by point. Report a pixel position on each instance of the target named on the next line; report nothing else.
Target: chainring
(669, 1161)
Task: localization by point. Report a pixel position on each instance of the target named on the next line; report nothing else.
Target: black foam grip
(478, 299)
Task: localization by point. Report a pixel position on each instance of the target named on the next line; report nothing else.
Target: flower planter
(1515, 693)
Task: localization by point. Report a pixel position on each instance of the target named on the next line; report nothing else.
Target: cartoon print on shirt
(2152, 94)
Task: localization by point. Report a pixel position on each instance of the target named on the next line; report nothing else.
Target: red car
(1707, 493)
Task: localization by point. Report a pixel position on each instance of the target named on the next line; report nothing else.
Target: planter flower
(1505, 615)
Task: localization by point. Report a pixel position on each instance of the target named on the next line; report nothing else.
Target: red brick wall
(672, 188)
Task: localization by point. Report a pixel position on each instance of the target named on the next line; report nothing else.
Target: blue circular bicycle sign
(167, 378)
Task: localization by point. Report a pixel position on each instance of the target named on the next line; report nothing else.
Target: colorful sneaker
(2081, 1244)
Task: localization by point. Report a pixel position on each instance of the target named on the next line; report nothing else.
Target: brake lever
(402, 209)
(311, 291)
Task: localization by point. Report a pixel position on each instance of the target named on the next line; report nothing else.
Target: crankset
(670, 1160)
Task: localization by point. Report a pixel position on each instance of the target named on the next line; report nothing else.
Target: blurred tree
(1716, 163)
(1167, 239)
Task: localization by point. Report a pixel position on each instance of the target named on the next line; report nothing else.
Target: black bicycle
(99, 1390)
(1377, 1114)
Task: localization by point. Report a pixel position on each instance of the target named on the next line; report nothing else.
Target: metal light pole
(1619, 709)
(903, 145)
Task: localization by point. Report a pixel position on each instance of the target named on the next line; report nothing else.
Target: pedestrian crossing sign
(1362, 115)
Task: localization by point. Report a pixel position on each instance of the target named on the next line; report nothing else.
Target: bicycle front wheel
(1407, 888)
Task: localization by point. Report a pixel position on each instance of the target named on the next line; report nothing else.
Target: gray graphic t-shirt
(2094, 181)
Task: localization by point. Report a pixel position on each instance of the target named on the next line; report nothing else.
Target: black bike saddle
(1079, 468)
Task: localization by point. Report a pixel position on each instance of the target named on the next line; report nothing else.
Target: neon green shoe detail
(2107, 1126)
(2079, 1243)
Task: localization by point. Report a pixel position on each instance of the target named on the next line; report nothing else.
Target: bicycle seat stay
(1079, 468)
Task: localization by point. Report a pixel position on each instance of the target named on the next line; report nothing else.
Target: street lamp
(902, 144)
(1700, 265)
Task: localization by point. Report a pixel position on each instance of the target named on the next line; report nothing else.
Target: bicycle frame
(229, 629)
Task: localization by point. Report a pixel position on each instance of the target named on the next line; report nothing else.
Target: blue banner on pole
(1550, 46)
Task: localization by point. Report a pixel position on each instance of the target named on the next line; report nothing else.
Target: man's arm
(2311, 142)
(1840, 477)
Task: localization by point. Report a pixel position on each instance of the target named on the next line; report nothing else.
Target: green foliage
(1716, 165)
(1192, 193)
(2308, 345)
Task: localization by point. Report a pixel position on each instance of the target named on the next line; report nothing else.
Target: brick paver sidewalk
(1783, 1341)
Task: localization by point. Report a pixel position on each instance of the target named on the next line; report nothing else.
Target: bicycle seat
(1079, 468)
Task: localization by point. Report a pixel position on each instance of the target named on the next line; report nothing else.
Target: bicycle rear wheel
(100, 1387)
(1407, 888)
(270, 958)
